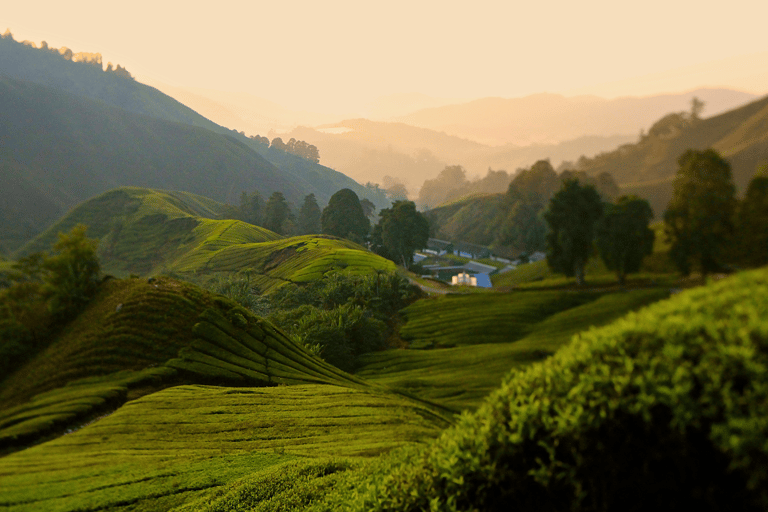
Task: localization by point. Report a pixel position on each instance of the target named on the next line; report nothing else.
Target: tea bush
(665, 409)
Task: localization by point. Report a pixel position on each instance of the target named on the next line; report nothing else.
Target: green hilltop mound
(144, 231)
(298, 259)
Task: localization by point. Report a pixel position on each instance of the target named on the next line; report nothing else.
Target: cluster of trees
(577, 217)
(707, 227)
(705, 223)
(88, 58)
(452, 183)
(295, 147)
(278, 215)
(42, 292)
(522, 224)
(401, 229)
(341, 317)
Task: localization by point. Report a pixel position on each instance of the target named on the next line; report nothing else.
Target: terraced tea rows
(460, 377)
(163, 449)
(456, 320)
(297, 259)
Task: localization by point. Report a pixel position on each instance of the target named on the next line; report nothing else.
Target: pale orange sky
(338, 55)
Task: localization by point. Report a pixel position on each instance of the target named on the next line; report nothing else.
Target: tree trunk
(578, 269)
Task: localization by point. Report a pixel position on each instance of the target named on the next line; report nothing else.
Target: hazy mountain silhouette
(552, 118)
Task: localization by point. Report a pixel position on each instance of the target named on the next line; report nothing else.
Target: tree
(698, 221)
(276, 213)
(344, 217)
(697, 107)
(752, 222)
(251, 208)
(571, 217)
(71, 276)
(309, 216)
(623, 235)
(400, 231)
(368, 207)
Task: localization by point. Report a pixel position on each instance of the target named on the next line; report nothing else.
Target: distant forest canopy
(294, 147)
(93, 59)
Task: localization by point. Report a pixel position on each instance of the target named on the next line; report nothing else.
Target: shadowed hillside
(59, 150)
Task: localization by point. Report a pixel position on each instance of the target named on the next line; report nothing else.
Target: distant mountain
(552, 118)
(368, 150)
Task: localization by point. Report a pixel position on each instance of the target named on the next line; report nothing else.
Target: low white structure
(464, 279)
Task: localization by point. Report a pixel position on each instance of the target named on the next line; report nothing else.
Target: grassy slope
(169, 447)
(538, 323)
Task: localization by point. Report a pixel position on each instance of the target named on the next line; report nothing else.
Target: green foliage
(400, 231)
(571, 217)
(45, 292)
(251, 208)
(699, 218)
(344, 217)
(72, 275)
(623, 235)
(343, 316)
(752, 223)
(277, 214)
(309, 216)
(662, 410)
(339, 335)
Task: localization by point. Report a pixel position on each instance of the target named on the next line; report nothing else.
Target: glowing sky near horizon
(338, 54)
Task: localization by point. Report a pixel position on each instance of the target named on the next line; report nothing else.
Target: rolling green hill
(144, 231)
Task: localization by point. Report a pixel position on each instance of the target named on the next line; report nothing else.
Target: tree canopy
(571, 217)
(277, 213)
(623, 235)
(752, 223)
(400, 231)
(344, 217)
(698, 220)
(309, 216)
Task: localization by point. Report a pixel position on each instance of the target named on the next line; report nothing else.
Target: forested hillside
(648, 167)
(72, 130)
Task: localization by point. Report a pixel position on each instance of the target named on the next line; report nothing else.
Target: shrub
(665, 409)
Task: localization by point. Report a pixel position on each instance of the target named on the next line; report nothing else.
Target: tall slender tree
(699, 218)
(276, 213)
(309, 216)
